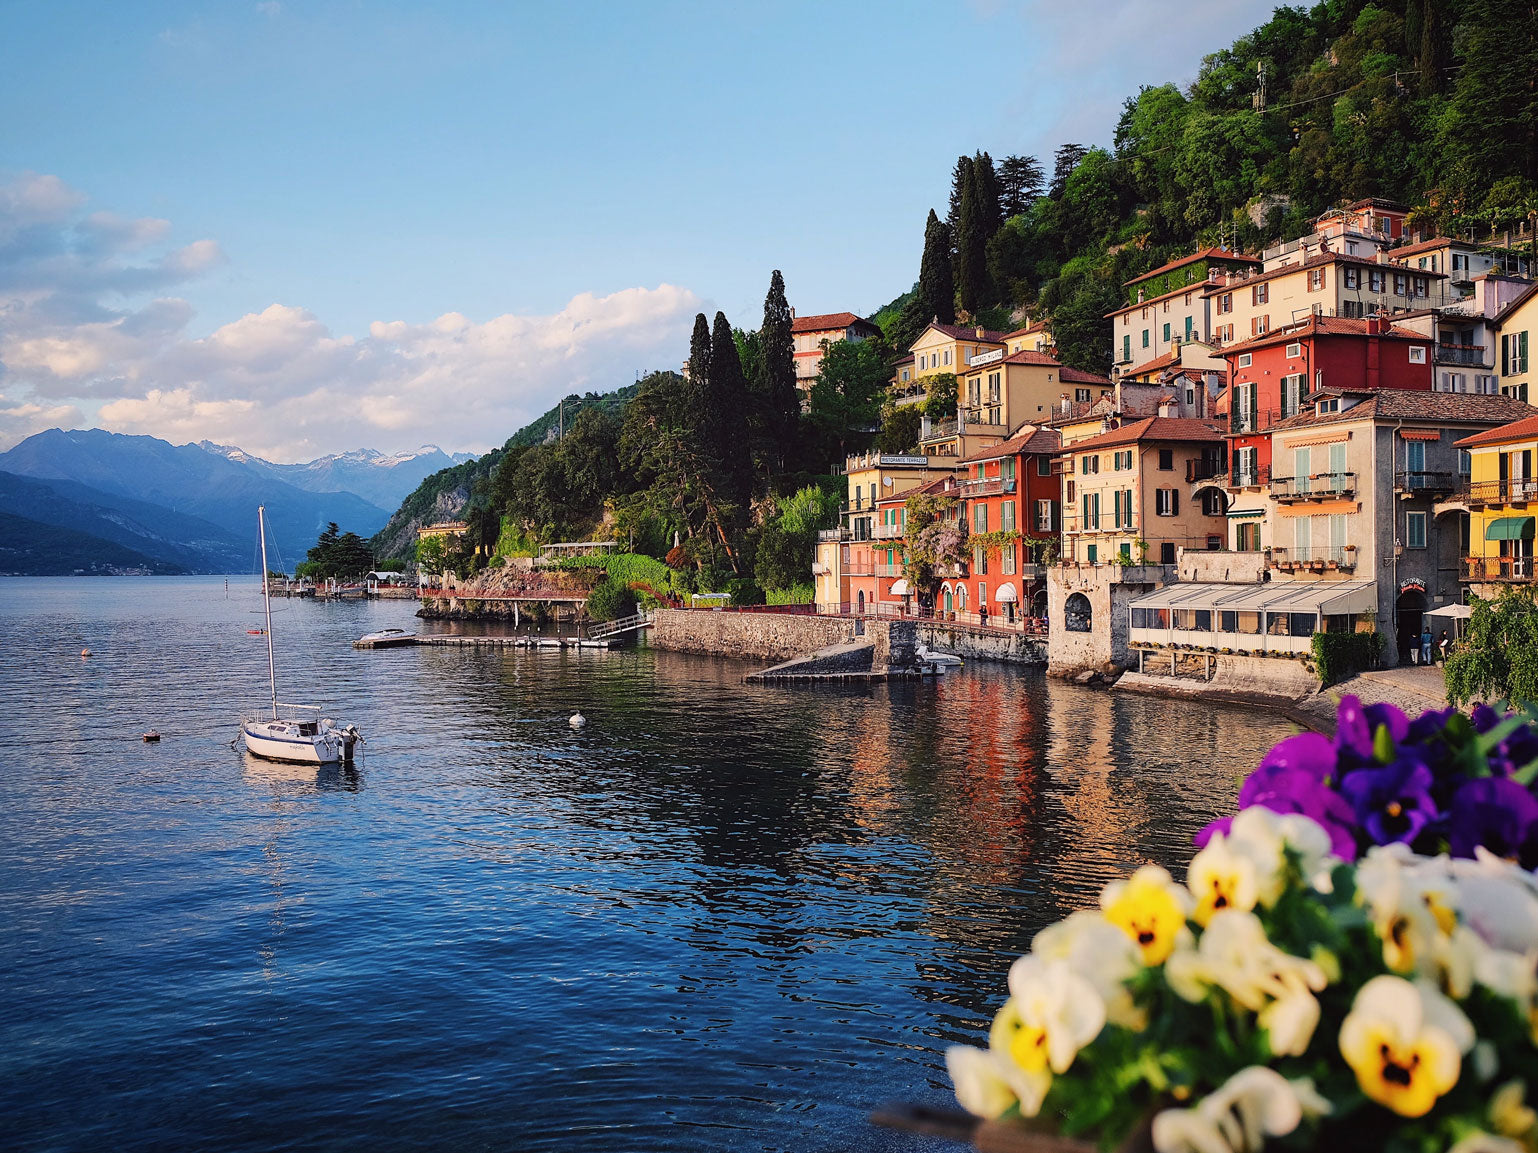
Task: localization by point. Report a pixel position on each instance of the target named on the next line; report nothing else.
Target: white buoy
(577, 720)
(85, 652)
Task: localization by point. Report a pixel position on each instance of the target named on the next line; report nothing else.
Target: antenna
(1258, 101)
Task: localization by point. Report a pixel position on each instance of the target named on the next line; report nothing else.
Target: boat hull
(322, 749)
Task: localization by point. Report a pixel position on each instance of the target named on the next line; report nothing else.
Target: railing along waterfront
(886, 610)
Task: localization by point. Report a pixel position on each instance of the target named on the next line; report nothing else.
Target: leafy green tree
(432, 554)
(1498, 657)
(610, 600)
(937, 288)
(910, 323)
(845, 405)
(1064, 161)
(339, 555)
(900, 428)
(940, 404)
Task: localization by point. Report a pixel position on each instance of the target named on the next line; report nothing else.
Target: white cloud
(77, 336)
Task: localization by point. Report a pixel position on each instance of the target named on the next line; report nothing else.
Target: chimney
(980, 331)
(793, 313)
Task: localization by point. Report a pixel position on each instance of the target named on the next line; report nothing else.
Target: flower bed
(1321, 981)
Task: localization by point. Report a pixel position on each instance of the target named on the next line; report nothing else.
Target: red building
(1271, 376)
(1008, 488)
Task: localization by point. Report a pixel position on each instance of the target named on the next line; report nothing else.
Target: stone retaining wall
(1008, 648)
(760, 636)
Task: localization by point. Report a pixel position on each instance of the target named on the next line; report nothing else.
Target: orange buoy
(253, 632)
(84, 653)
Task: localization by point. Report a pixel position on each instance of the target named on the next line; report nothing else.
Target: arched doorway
(859, 605)
(946, 601)
(1409, 614)
(1078, 615)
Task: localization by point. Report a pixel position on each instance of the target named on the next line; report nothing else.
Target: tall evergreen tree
(777, 400)
(937, 288)
(699, 364)
(960, 174)
(730, 404)
(1021, 182)
(989, 215)
(971, 248)
(1064, 161)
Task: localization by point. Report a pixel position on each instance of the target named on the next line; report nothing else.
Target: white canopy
(1455, 612)
(1327, 597)
(1006, 595)
(899, 588)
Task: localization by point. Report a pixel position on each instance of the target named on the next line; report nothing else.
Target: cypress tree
(971, 249)
(697, 415)
(730, 404)
(959, 177)
(778, 399)
(987, 179)
(937, 288)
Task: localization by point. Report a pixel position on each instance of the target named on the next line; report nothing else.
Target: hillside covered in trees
(1432, 103)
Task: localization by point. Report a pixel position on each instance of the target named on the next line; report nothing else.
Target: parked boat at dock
(297, 733)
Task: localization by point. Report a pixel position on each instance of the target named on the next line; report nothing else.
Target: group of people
(1433, 651)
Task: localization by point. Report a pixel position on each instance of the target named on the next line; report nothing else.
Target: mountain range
(154, 506)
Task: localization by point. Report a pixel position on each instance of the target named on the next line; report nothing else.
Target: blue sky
(566, 185)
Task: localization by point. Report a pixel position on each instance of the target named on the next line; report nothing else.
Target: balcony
(1472, 355)
(889, 570)
(1321, 486)
(888, 532)
(1244, 422)
(992, 486)
(1486, 492)
(831, 534)
(1316, 558)
(1204, 469)
(940, 429)
(1515, 569)
(1428, 483)
(1249, 477)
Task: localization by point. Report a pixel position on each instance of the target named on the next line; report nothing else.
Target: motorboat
(287, 732)
(384, 635)
(927, 656)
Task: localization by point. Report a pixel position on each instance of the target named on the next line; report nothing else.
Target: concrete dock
(407, 640)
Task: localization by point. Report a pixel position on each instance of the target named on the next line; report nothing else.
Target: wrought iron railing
(1498, 568)
(1316, 487)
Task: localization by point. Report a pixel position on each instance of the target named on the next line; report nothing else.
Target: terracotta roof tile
(828, 322)
(1153, 428)
(957, 332)
(1204, 254)
(1524, 429)
(1079, 376)
(1430, 407)
(1032, 438)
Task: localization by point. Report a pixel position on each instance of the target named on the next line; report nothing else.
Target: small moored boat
(292, 732)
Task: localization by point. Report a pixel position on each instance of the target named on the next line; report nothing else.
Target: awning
(1328, 597)
(1456, 612)
(1510, 528)
(1234, 514)
(1006, 595)
(899, 588)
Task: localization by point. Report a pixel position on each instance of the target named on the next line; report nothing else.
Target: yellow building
(1001, 392)
(1502, 500)
(940, 348)
(1126, 493)
(1514, 328)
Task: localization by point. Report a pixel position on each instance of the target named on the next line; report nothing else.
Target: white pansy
(1481, 1142)
(1050, 997)
(988, 1083)
(1103, 955)
(1253, 1104)
(1289, 1022)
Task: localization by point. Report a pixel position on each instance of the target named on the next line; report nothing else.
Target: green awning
(1510, 528)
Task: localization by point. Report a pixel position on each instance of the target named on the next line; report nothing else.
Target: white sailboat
(295, 733)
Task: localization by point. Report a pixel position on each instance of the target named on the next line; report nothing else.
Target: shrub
(1341, 655)
(795, 595)
(611, 600)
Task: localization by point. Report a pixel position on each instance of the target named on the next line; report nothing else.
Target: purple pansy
(1392, 803)
(1306, 752)
(1495, 813)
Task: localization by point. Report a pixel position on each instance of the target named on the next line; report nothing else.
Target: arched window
(1077, 613)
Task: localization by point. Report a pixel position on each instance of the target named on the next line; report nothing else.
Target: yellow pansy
(1221, 878)
(1404, 1042)
(988, 1084)
(1511, 1115)
(1151, 909)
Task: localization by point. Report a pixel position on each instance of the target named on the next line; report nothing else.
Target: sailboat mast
(272, 668)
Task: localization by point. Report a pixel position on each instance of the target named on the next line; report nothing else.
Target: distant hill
(158, 533)
(382, 480)
(32, 548)
(445, 494)
(192, 481)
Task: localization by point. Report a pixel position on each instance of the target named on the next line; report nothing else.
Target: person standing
(1444, 646)
(1426, 646)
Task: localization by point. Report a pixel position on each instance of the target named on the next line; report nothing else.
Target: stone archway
(1078, 615)
(1409, 613)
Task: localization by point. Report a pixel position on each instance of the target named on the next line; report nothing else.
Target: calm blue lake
(721, 917)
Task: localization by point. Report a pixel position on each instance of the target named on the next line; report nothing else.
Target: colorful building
(1167, 306)
(940, 348)
(811, 333)
(1502, 499)
(1513, 328)
(999, 392)
(1127, 493)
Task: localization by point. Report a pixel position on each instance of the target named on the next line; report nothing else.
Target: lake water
(721, 917)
